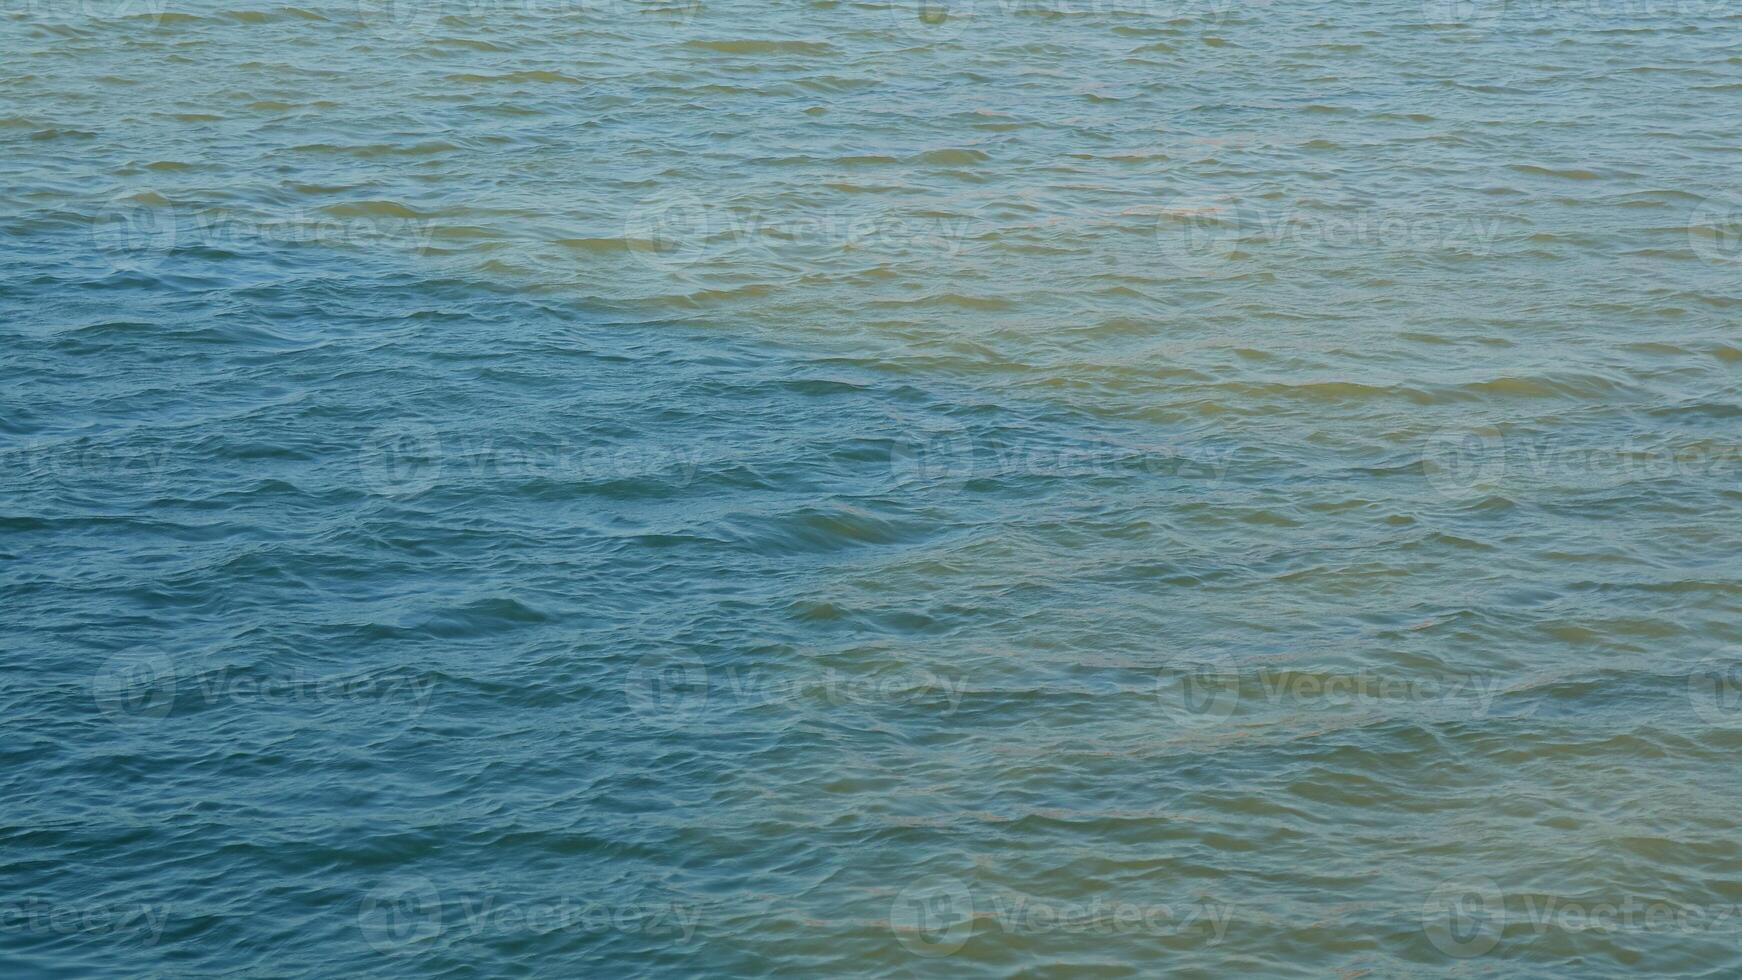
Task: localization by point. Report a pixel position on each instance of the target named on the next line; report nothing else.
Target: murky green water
(1002, 488)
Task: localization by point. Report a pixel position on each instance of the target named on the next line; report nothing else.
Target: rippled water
(1005, 488)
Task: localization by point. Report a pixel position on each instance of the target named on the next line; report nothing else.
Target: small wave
(762, 47)
(1573, 173)
(953, 157)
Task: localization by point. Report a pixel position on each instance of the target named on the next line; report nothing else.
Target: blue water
(1043, 488)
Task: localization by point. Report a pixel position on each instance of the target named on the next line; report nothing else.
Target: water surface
(1043, 488)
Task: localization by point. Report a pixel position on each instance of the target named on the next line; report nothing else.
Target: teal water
(1003, 488)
